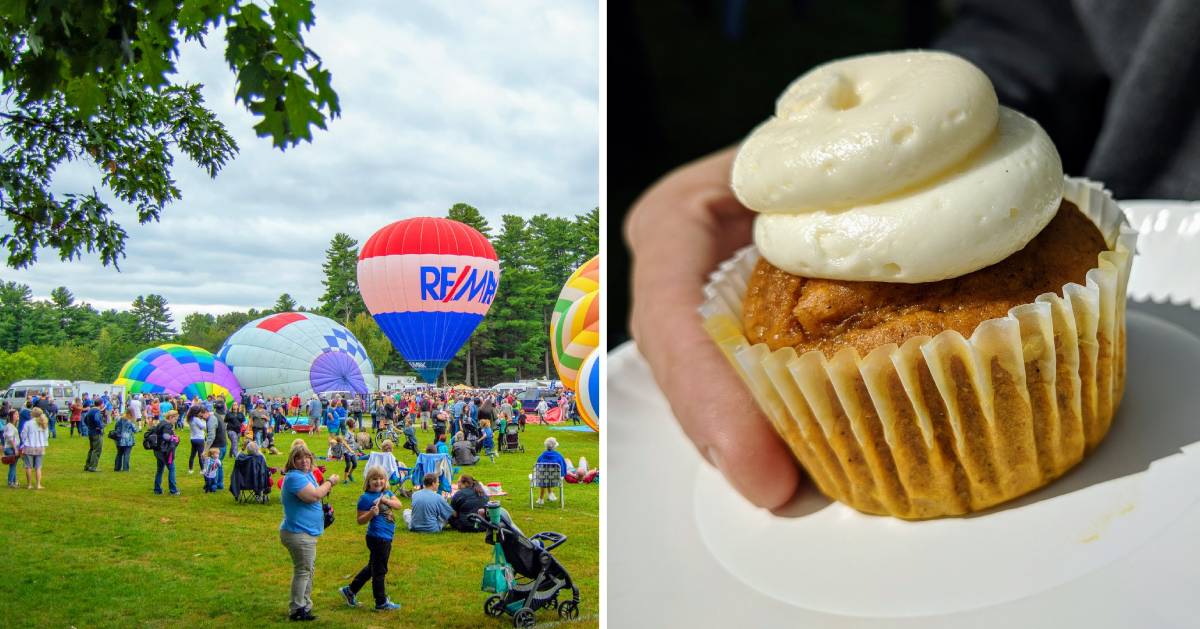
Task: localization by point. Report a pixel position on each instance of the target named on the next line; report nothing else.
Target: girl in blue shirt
(376, 508)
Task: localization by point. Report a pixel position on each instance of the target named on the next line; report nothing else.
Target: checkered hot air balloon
(297, 353)
(428, 282)
(179, 369)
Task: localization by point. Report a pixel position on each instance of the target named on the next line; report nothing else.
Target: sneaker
(302, 614)
(540, 501)
(175, 493)
(190, 471)
(387, 606)
(553, 498)
(349, 596)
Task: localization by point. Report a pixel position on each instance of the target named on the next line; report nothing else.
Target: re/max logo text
(448, 283)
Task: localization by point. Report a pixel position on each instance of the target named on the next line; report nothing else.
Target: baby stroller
(511, 440)
(251, 479)
(539, 578)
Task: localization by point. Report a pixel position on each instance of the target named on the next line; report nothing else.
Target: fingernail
(713, 457)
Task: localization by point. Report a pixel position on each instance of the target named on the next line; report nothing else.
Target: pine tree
(285, 303)
(468, 215)
(152, 318)
(341, 300)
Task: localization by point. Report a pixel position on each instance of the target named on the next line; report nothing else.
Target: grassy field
(100, 549)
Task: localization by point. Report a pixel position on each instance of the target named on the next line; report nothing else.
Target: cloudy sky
(495, 104)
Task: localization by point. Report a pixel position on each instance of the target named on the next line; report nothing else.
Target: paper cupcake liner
(948, 425)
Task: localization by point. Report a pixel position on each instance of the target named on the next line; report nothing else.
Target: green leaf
(84, 93)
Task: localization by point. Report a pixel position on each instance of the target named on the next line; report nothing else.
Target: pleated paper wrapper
(948, 425)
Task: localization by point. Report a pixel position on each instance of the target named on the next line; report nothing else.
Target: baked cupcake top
(896, 167)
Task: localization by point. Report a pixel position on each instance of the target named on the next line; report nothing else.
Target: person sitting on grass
(464, 450)
(429, 512)
(551, 455)
(471, 497)
(440, 446)
(375, 509)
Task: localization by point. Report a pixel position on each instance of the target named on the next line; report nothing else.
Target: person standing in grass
(234, 419)
(125, 428)
(93, 420)
(76, 416)
(376, 509)
(302, 525)
(164, 452)
(12, 441)
(258, 422)
(35, 437)
(197, 423)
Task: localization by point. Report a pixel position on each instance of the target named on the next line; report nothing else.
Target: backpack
(150, 440)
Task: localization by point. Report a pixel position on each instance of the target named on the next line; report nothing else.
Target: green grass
(98, 550)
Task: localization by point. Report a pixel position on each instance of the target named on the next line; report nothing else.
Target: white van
(63, 392)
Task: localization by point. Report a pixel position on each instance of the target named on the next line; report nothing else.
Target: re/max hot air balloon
(575, 322)
(428, 282)
(587, 395)
(179, 370)
(297, 353)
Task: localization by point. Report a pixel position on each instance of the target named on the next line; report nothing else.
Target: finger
(679, 232)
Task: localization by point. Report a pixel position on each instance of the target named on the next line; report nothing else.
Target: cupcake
(932, 316)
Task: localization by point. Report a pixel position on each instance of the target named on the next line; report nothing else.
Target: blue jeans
(122, 462)
(53, 432)
(162, 463)
(12, 469)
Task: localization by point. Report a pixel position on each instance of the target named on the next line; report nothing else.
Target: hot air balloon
(428, 282)
(179, 370)
(575, 322)
(297, 353)
(587, 395)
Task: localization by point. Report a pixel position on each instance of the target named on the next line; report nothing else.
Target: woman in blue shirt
(376, 509)
(124, 429)
(303, 523)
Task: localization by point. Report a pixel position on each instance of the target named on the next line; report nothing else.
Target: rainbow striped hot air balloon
(575, 323)
(587, 395)
(179, 370)
(428, 282)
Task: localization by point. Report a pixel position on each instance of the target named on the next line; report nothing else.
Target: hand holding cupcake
(936, 323)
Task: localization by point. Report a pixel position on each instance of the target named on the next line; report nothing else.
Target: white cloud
(495, 104)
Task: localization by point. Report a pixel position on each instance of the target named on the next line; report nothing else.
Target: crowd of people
(464, 425)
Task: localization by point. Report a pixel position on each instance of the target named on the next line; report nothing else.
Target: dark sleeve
(1042, 64)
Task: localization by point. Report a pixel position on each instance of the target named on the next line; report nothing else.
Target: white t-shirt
(34, 436)
(197, 427)
(135, 407)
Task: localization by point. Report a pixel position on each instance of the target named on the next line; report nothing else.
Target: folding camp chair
(547, 475)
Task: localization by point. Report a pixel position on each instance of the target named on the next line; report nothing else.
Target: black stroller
(251, 479)
(539, 577)
(510, 441)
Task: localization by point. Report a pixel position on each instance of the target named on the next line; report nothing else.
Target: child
(410, 437)
(488, 443)
(350, 455)
(375, 509)
(211, 468)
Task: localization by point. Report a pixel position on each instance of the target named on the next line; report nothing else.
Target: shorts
(424, 416)
(33, 461)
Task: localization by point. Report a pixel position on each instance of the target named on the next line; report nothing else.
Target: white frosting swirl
(896, 167)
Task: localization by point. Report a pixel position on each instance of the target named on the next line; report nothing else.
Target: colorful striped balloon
(575, 322)
(587, 396)
(428, 282)
(179, 370)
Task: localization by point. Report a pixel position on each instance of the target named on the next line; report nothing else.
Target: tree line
(63, 338)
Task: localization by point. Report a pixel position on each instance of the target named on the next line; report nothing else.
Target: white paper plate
(1112, 544)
